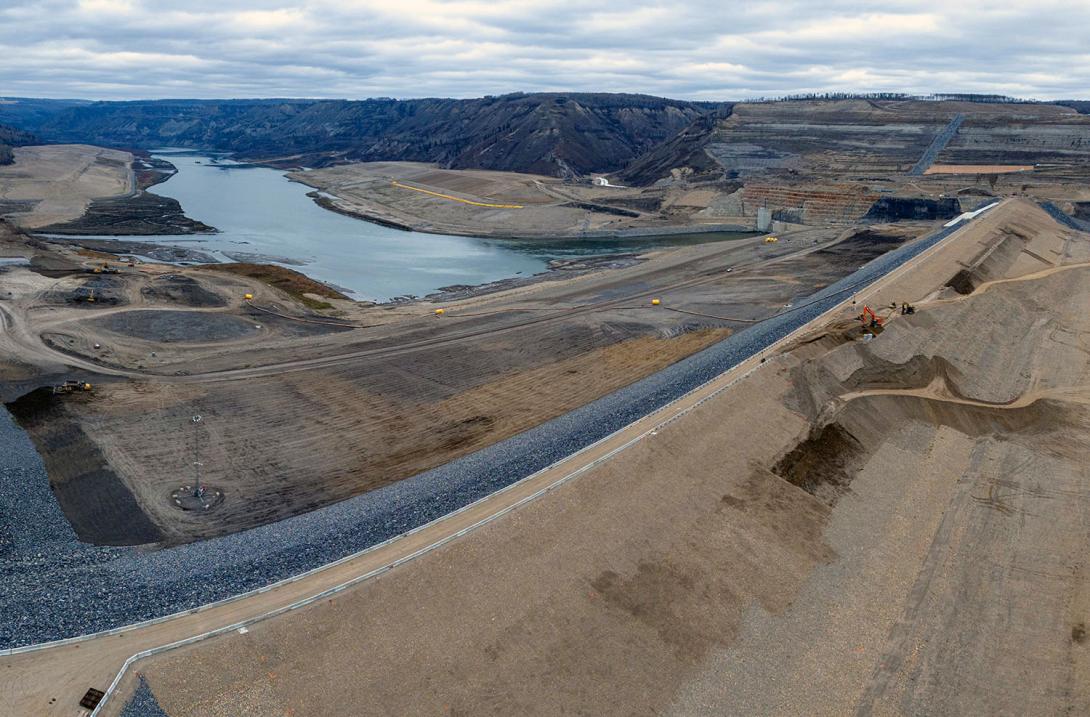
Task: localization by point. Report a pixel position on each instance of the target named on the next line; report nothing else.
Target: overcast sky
(697, 49)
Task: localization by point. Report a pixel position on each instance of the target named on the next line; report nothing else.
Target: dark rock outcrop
(892, 209)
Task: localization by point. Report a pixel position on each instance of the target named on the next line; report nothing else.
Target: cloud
(700, 49)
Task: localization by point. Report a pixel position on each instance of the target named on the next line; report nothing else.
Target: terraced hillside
(857, 138)
(821, 162)
(844, 137)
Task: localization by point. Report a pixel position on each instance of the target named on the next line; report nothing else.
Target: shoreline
(118, 224)
(331, 204)
(138, 213)
(168, 254)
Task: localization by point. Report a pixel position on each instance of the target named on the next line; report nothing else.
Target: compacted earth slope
(886, 525)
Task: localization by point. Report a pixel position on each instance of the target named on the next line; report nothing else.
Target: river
(264, 217)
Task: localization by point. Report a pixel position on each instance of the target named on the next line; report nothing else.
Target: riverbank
(559, 269)
(137, 213)
(334, 204)
(263, 217)
(507, 205)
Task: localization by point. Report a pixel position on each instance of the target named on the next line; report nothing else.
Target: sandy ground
(305, 410)
(532, 205)
(977, 168)
(892, 526)
(53, 184)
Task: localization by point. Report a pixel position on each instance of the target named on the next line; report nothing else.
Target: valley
(713, 379)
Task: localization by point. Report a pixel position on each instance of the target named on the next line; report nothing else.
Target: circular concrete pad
(185, 498)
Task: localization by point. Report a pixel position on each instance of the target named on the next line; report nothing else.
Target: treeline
(10, 136)
(1080, 106)
(896, 96)
(812, 96)
(983, 99)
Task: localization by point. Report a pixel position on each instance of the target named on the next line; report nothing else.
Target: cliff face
(553, 134)
(684, 152)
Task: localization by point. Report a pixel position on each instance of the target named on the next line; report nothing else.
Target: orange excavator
(875, 322)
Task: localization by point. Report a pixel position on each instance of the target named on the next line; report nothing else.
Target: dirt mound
(824, 464)
(917, 372)
(290, 282)
(181, 289)
(93, 291)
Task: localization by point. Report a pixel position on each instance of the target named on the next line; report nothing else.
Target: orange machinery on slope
(875, 322)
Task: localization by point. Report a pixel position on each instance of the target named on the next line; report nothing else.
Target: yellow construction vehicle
(71, 386)
(771, 240)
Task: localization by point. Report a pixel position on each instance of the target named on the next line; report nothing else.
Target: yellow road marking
(457, 199)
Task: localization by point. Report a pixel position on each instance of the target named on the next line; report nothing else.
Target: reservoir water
(262, 216)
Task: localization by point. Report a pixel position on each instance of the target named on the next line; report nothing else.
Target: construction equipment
(71, 386)
(771, 240)
(875, 322)
(907, 309)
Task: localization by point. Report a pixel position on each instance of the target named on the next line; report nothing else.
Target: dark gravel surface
(53, 587)
(143, 703)
(177, 326)
(937, 145)
(1064, 218)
